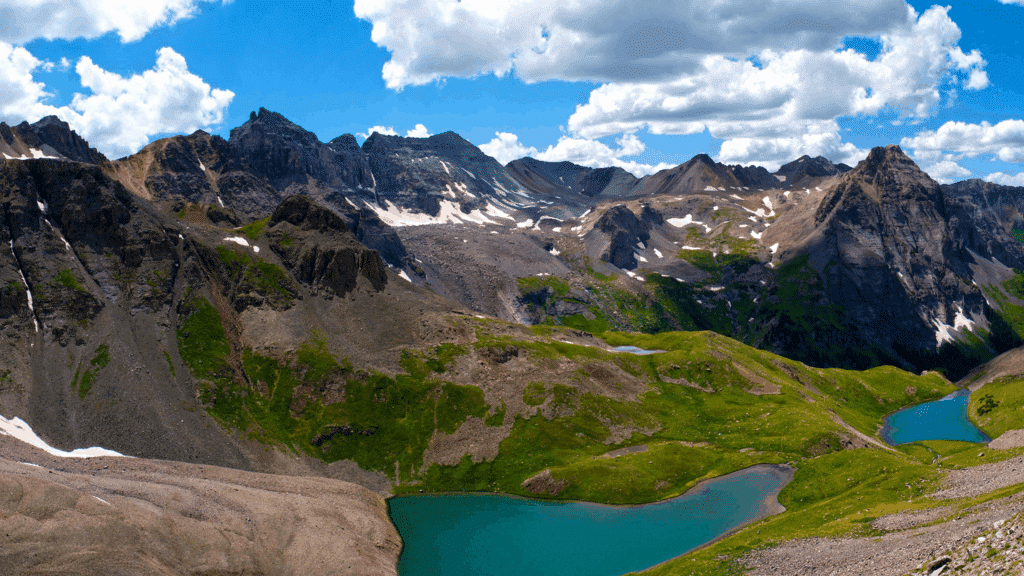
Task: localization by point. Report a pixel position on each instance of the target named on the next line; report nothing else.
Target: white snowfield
(36, 154)
(17, 428)
(449, 214)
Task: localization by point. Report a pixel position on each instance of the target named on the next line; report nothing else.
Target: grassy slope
(999, 406)
(314, 403)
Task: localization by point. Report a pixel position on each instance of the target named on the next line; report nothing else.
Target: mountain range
(379, 314)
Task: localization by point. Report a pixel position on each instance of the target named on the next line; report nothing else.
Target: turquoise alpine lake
(498, 535)
(944, 419)
(635, 350)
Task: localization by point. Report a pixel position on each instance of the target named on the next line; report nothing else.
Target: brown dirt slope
(131, 516)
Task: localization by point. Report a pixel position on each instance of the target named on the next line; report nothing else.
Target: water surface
(495, 535)
(636, 350)
(944, 419)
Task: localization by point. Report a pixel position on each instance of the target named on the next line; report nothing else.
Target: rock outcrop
(318, 248)
(620, 235)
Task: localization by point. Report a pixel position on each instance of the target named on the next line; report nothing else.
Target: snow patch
(942, 332)
(686, 221)
(17, 428)
(554, 252)
(768, 203)
(690, 248)
(641, 258)
(496, 212)
(786, 193)
(402, 274)
(238, 240)
(256, 249)
(40, 154)
(736, 197)
(28, 292)
(774, 248)
(449, 214)
(780, 178)
(961, 321)
(755, 234)
(658, 252)
(219, 201)
(526, 224)
(710, 189)
(556, 229)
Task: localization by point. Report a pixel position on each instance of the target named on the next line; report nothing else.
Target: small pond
(635, 350)
(944, 419)
(495, 535)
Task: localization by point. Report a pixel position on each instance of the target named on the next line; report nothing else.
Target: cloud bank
(768, 76)
(116, 114)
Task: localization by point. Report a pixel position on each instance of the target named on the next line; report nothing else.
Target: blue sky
(643, 85)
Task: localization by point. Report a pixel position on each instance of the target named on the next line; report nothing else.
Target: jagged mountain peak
(345, 142)
(268, 122)
(49, 137)
(886, 158)
(807, 171)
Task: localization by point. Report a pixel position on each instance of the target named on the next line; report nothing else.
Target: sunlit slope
(501, 404)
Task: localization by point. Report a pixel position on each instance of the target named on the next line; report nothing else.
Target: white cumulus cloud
(790, 100)
(947, 172)
(1006, 179)
(21, 97)
(420, 131)
(119, 114)
(506, 147)
(1004, 140)
(25, 20)
(382, 130)
(116, 114)
(771, 153)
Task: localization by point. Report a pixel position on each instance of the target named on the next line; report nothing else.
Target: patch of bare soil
(132, 516)
(543, 483)
(894, 554)
(1007, 440)
(910, 546)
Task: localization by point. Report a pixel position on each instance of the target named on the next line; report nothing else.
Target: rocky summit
(409, 315)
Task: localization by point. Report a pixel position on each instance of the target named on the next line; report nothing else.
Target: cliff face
(96, 282)
(442, 177)
(983, 217)
(884, 246)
